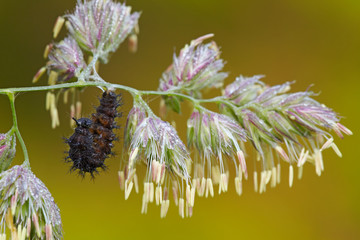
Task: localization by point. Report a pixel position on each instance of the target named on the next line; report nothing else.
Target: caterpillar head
(83, 122)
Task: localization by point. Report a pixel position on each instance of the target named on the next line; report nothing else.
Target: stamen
(190, 210)
(128, 188)
(327, 144)
(255, 182)
(192, 196)
(39, 74)
(154, 170)
(151, 192)
(146, 195)
(181, 207)
(318, 162)
(273, 177)
(131, 175)
(48, 101)
(47, 50)
(242, 161)
(53, 76)
(167, 204)
(58, 25)
(238, 186)
(202, 187)
(240, 173)
(162, 173)
(262, 182)
(158, 195)
(303, 158)
(133, 155)
(278, 172)
(215, 174)
(223, 184)
(291, 175)
(188, 194)
(336, 149)
(267, 176)
(136, 183)
(209, 187)
(300, 172)
(144, 204)
(158, 173)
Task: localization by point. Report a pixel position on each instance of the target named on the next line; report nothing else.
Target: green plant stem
(133, 91)
(16, 129)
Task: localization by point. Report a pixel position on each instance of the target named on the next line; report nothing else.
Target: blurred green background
(312, 42)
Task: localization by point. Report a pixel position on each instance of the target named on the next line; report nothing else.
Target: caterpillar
(92, 141)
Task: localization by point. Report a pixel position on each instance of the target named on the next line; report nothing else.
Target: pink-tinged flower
(156, 144)
(257, 129)
(196, 68)
(7, 150)
(244, 89)
(293, 126)
(66, 61)
(27, 207)
(100, 26)
(217, 138)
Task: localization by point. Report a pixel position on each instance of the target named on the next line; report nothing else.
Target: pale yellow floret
(255, 182)
(47, 50)
(181, 207)
(39, 74)
(291, 175)
(278, 172)
(273, 177)
(300, 172)
(58, 25)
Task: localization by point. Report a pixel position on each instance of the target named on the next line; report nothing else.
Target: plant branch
(99, 82)
(16, 129)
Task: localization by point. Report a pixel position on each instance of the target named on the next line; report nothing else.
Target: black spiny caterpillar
(93, 139)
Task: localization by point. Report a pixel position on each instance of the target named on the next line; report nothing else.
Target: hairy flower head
(27, 206)
(156, 144)
(66, 61)
(216, 138)
(293, 126)
(244, 89)
(100, 26)
(196, 68)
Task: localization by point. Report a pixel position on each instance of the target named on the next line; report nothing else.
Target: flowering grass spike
(100, 26)
(196, 68)
(293, 126)
(156, 144)
(66, 61)
(27, 207)
(216, 137)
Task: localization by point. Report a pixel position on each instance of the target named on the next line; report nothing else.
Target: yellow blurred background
(312, 42)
